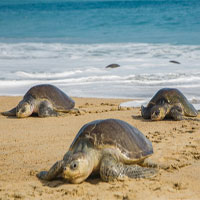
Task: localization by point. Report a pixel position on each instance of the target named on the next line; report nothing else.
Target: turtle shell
(57, 97)
(173, 96)
(114, 133)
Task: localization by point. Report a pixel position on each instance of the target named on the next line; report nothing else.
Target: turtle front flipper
(111, 170)
(176, 113)
(11, 112)
(46, 110)
(145, 112)
(53, 172)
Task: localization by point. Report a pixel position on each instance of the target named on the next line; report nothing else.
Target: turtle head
(24, 109)
(77, 168)
(158, 113)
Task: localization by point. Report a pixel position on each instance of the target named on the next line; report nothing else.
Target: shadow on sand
(93, 179)
(140, 118)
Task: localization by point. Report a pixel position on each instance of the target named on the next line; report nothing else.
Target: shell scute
(114, 133)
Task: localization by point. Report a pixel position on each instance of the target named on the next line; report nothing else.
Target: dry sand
(30, 145)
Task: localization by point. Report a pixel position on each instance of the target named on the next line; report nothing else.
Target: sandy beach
(30, 145)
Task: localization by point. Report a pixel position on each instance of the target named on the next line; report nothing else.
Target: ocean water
(69, 43)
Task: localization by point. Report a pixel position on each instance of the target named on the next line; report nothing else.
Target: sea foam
(79, 69)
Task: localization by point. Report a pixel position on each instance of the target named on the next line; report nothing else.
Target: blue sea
(69, 43)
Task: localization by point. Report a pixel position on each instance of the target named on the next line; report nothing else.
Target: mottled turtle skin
(168, 102)
(45, 100)
(110, 147)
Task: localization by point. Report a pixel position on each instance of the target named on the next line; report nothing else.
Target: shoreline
(33, 144)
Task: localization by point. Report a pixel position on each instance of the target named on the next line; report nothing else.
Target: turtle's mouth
(155, 118)
(74, 179)
(70, 176)
(21, 114)
(156, 115)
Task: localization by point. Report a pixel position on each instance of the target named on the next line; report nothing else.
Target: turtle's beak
(157, 115)
(70, 176)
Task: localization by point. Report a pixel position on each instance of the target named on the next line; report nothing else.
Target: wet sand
(30, 145)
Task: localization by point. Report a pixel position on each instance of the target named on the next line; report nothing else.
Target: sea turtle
(168, 102)
(113, 65)
(45, 100)
(111, 147)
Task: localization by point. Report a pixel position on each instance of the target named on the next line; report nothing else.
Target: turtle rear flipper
(136, 171)
(111, 170)
(11, 112)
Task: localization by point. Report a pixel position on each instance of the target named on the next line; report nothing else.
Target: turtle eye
(23, 110)
(74, 165)
(157, 112)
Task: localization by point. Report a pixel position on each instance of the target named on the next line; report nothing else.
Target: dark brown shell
(57, 97)
(116, 134)
(173, 96)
